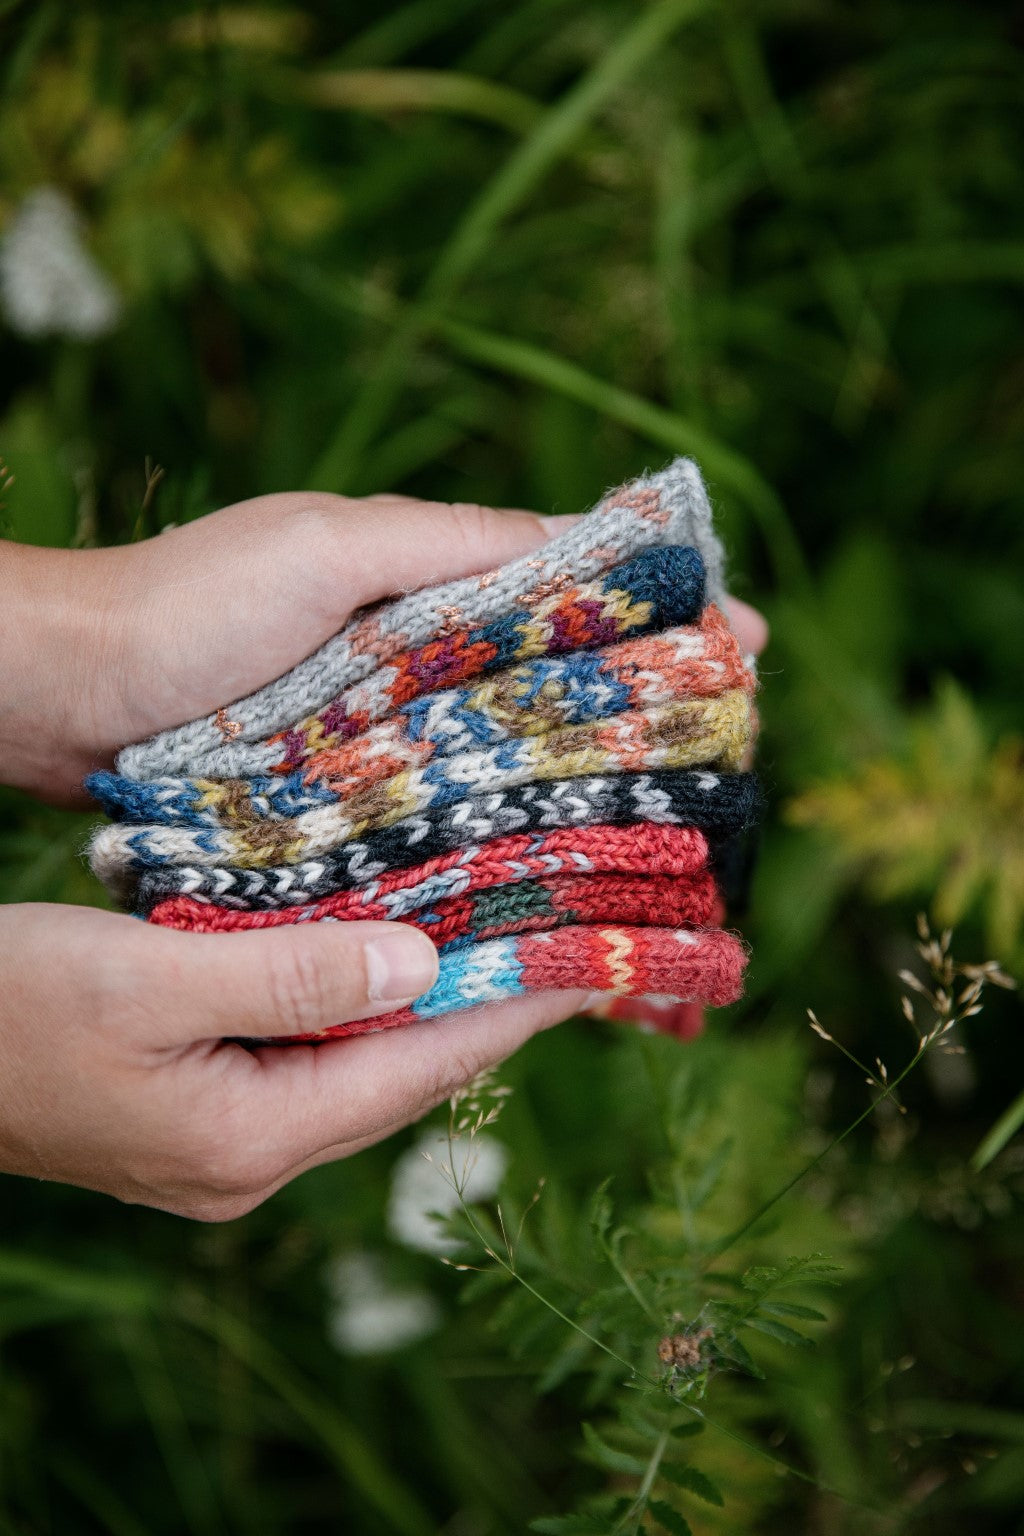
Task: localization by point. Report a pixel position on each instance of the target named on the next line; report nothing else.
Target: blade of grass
(674, 267)
(396, 35)
(1006, 1127)
(351, 1453)
(186, 1470)
(720, 462)
(102, 1502)
(102, 1292)
(506, 191)
(420, 90)
(656, 423)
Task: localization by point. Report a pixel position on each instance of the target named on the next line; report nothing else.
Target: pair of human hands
(117, 1070)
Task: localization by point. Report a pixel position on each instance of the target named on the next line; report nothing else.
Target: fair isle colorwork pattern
(528, 906)
(669, 507)
(713, 731)
(719, 805)
(658, 589)
(646, 849)
(695, 661)
(692, 662)
(213, 824)
(700, 966)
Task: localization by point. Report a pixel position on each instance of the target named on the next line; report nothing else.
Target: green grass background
(516, 254)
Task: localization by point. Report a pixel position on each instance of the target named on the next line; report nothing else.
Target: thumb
(294, 981)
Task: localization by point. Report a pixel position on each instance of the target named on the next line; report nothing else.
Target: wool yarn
(713, 731)
(234, 823)
(539, 767)
(532, 699)
(693, 661)
(657, 589)
(670, 507)
(721, 806)
(694, 965)
(646, 849)
(527, 906)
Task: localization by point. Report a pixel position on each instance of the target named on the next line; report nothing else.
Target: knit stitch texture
(527, 906)
(212, 824)
(720, 805)
(695, 661)
(644, 850)
(669, 507)
(656, 589)
(538, 767)
(703, 966)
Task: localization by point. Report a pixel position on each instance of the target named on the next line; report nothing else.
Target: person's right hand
(115, 1073)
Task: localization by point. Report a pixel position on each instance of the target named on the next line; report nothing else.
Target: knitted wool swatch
(527, 765)
(200, 814)
(702, 965)
(695, 661)
(525, 907)
(670, 507)
(656, 589)
(635, 853)
(720, 805)
(714, 731)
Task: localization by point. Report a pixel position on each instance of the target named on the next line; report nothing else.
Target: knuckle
(452, 1072)
(471, 525)
(300, 991)
(219, 1164)
(313, 519)
(212, 1209)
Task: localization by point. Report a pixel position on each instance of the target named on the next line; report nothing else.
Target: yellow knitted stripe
(617, 959)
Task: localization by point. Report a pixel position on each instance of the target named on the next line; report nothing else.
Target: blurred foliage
(515, 255)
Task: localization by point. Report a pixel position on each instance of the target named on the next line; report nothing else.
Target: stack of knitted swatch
(540, 767)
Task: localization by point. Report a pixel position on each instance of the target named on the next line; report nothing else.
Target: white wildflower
(371, 1317)
(423, 1187)
(49, 283)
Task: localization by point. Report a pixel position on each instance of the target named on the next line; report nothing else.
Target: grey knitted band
(667, 507)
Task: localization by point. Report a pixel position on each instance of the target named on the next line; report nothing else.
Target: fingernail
(553, 526)
(399, 964)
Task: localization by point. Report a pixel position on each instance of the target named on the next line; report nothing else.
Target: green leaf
(687, 1430)
(778, 1331)
(637, 1418)
(670, 1518)
(710, 1174)
(610, 1459)
(569, 1525)
(793, 1309)
(693, 1481)
(1006, 1127)
(761, 1279)
(731, 1349)
(601, 1210)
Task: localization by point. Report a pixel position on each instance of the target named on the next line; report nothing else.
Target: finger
(294, 981)
(382, 497)
(330, 1100)
(749, 626)
(401, 544)
(368, 548)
